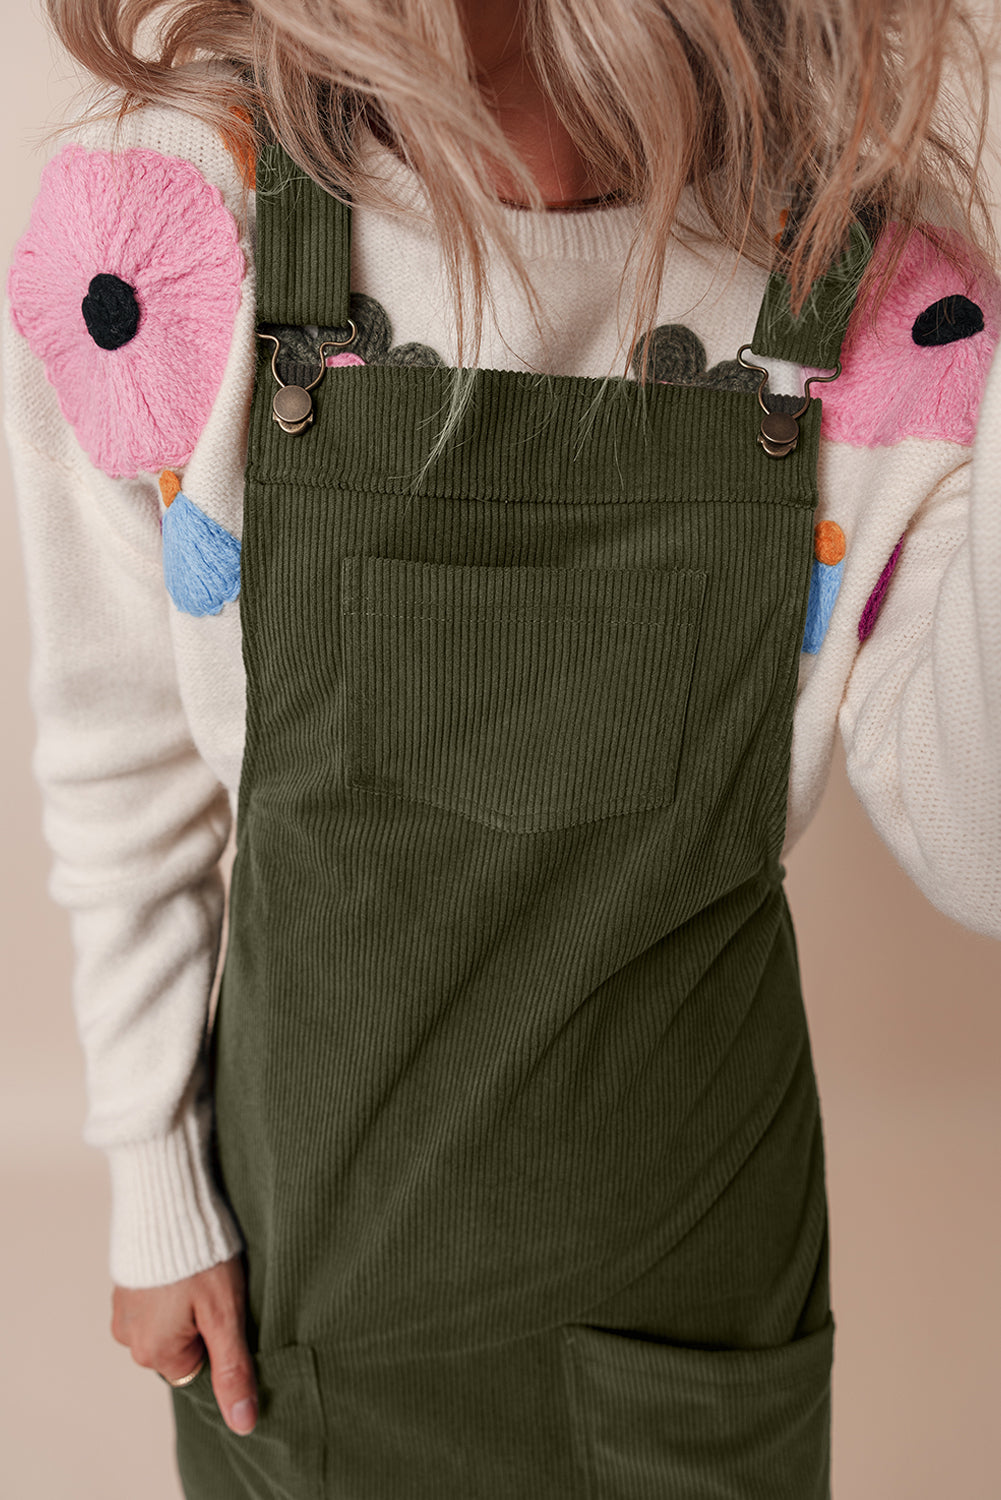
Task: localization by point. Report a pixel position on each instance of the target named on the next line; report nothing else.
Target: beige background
(905, 1009)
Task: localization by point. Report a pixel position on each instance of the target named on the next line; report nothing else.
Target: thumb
(233, 1381)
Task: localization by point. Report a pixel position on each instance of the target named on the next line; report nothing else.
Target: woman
(517, 1123)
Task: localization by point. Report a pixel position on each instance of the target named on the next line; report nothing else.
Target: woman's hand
(170, 1328)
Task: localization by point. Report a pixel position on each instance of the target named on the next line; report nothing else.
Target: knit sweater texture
(129, 347)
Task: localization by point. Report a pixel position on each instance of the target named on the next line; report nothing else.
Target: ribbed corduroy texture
(815, 337)
(532, 437)
(515, 1100)
(304, 219)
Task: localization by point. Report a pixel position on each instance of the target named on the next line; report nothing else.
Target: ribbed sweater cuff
(168, 1219)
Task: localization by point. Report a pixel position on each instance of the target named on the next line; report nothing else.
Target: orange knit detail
(170, 486)
(783, 221)
(239, 151)
(828, 542)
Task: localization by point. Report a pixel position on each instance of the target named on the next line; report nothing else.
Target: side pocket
(652, 1419)
(282, 1459)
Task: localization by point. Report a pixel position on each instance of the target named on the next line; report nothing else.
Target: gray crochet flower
(678, 357)
(298, 360)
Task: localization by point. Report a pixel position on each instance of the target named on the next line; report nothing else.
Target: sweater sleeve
(921, 715)
(117, 326)
(136, 823)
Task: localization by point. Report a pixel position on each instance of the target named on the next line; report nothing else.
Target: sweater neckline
(603, 231)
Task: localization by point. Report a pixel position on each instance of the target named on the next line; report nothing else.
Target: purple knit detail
(874, 603)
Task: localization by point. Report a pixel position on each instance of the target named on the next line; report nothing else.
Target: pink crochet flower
(918, 369)
(126, 285)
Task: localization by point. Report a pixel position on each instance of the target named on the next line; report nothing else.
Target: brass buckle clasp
(779, 432)
(292, 405)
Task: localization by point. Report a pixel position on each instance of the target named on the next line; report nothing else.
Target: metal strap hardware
(292, 406)
(779, 432)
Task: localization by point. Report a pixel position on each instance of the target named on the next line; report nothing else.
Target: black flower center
(110, 311)
(946, 321)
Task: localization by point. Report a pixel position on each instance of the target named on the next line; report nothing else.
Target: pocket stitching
(575, 1403)
(591, 1374)
(734, 1362)
(681, 614)
(302, 1357)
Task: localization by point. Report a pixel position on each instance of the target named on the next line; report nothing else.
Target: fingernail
(243, 1416)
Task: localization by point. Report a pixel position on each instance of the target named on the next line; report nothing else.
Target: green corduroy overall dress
(515, 1100)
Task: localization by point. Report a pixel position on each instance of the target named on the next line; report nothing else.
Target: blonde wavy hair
(871, 109)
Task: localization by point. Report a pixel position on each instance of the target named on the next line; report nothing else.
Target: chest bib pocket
(527, 698)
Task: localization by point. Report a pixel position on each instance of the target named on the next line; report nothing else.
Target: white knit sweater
(140, 705)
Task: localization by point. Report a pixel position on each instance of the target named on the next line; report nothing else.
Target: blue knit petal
(825, 581)
(201, 561)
